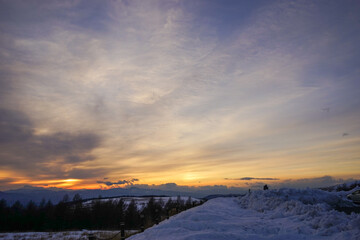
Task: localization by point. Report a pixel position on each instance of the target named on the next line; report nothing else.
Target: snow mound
(276, 214)
(313, 208)
(345, 187)
(273, 199)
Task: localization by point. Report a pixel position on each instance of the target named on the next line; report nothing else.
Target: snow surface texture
(65, 235)
(276, 214)
(141, 202)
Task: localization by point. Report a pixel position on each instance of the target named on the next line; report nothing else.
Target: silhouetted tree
(4, 212)
(66, 198)
(17, 219)
(31, 218)
(132, 218)
(180, 205)
(189, 203)
(63, 216)
(49, 218)
(150, 212)
(119, 211)
(75, 215)
(77, 198)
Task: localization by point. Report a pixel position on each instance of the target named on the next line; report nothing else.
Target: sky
(98, 94)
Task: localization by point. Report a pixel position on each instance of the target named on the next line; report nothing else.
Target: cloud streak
(179, 91)
(252, 178)
(120, 182)
(22, 149)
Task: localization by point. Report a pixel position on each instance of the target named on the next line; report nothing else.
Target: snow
(141, 202)
(65, 235)
(275, 214)
(345, 187)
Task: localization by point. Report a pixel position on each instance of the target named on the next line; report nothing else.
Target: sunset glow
(102, 94)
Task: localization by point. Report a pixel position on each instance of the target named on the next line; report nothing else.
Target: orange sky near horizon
(197, 93)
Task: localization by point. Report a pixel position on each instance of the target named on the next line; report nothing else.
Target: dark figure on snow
(266, 187)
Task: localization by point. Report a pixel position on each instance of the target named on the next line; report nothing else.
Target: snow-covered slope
(141, 202)
(277, 214)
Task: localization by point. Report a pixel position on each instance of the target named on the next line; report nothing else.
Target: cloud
(15, 127)
(85, 172)
(120, 182)
(174, 87)
(252, 178)
(6, 181)
(22, 149)
(75, 159)
(325, 181)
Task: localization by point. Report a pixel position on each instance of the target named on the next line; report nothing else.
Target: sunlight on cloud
(167, 93)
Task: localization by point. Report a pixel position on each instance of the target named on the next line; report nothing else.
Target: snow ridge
(313, 208)
(273, 214)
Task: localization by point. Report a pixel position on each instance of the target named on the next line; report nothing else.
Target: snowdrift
(276, 214)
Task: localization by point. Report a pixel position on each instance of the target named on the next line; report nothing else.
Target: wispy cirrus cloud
(183, 92)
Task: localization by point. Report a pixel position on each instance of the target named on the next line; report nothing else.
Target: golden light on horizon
(66, 183)
(171, 93)
(191, 176)
(71, 180)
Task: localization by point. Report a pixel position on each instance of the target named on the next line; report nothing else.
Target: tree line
(96, 215)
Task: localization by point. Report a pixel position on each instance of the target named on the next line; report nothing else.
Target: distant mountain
(36, 194)
(222, 195)
(55, 195)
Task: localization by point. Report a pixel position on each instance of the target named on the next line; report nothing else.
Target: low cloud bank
(317, 182)
(252, 178)
(120, 182)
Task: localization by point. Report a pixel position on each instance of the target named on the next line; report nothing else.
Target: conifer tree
(132, 218)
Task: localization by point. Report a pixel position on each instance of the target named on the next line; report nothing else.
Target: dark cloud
(252, 178)
(65, 143)
(23, 150)
(14, 127)
(120, 182)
